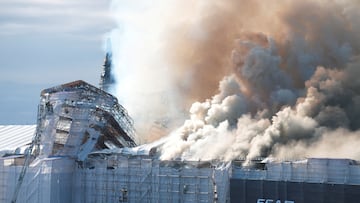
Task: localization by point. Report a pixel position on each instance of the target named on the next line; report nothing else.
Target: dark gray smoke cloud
(293, 81)
(261, 78)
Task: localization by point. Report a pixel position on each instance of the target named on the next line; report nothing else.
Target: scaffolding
(46, 180)
(306, 181)
(137, 179)
(74, 119)
(77, 118)
(313, 170)
(117, 178)
(140, 178)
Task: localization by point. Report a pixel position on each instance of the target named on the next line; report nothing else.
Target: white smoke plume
(144, 78)
(266, 78)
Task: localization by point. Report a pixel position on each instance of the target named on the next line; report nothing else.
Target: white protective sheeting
(141, 179)
(113, 179)
(312, 170)
(46, 180)
(14, 136)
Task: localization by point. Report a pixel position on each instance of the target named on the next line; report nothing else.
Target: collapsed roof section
(77, 118)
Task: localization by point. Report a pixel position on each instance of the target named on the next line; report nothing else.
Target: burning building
(77, 118)
(288, 91)
(85, 149)
(107, 79)
(74, 120)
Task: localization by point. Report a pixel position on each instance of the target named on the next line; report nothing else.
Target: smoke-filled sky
(276, 78)
(45, 43)
(222, 79)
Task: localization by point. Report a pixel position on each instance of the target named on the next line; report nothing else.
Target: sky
(47, 43)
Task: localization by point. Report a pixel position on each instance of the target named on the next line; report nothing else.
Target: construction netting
(116, 178)
(138, 179)
(336, 171)
(46, 180)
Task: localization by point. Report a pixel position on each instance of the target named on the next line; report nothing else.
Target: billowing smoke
(265, 78)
